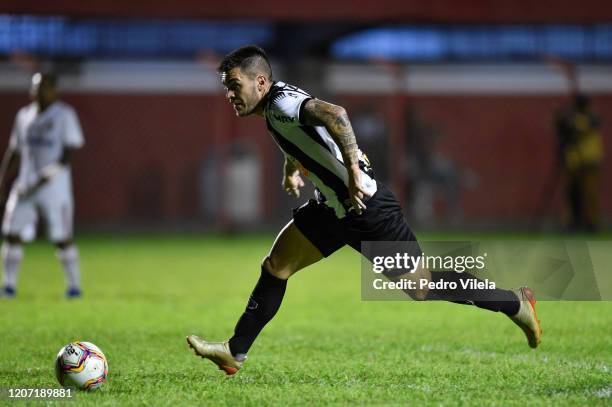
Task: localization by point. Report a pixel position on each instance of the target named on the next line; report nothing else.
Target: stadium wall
(147, 151)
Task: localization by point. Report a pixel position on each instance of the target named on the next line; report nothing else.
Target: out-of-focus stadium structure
(454, 105)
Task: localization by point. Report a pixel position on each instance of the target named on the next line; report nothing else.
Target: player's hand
(356, 192)
(42, 180)
(292, 184)
(25, 190)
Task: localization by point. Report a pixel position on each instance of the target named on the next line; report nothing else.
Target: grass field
(326, 346)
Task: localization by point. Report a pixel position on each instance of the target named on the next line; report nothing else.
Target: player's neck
(42, 106)
(259, 109)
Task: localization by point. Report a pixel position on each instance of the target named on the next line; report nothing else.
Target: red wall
(510, 143)
(143, 151)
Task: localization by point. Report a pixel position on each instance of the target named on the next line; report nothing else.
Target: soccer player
(45, 134)
(350, 206)
(581, 154)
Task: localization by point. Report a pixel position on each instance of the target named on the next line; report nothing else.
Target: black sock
(491, 299)
(265, 300)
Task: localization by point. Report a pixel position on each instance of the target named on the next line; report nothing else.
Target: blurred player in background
(351, 207)
(581, 155)
(45, 134)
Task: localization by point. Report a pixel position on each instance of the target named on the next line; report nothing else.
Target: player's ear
(261, 82)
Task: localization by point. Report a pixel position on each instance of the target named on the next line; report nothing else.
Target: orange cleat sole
(532, 301)
(229, 371)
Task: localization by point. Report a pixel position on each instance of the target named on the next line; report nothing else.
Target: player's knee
(276, 268)
(63, 244)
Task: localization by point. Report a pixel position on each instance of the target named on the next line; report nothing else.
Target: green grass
(326, 346)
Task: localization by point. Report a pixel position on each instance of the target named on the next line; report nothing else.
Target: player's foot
(218, 352)
(74, 292)
(8, 292)
(526, 318)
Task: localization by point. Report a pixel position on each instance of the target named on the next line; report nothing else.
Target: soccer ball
(81, 365)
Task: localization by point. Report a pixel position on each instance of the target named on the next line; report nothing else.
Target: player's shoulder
(61, 107)
(282, 91)
(27, 109)
(284, 102)
(287, 88)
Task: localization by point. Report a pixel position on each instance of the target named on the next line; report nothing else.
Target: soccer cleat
(526, 318)
(8, 292)
(218, 352)
(73, 293)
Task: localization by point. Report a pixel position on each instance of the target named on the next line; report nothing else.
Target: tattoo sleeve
(335, 119)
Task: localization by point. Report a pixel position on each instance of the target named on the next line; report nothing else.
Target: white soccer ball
(81, 365)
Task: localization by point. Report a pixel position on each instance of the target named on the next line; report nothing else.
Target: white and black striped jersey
(312, 149)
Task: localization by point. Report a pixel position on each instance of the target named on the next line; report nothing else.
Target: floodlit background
(454, 105)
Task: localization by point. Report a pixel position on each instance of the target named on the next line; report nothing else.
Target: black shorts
(382, 220)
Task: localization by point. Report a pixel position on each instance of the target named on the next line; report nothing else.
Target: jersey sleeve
(287, 107)
(72, 135)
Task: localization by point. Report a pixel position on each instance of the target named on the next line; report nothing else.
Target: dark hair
(251, 59)
(48, 77)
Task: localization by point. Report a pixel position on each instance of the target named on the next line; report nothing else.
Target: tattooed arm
(335, 119)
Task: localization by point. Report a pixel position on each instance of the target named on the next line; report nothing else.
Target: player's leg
(311, 235)
(19, 218)
(574, 200)
(12, 255)
(516, 304)
(590, 188)
(68, 254)
(291, 252)
(58, 214)
(314, 233)
(383, 209)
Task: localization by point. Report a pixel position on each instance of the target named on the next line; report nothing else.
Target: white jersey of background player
(44, 134)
